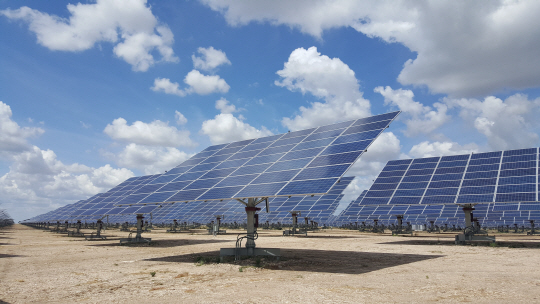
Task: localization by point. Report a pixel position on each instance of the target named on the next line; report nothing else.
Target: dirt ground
(332, 266)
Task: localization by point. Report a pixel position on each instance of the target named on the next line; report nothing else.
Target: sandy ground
(326, 267)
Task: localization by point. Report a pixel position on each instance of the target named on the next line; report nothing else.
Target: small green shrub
(153, 273)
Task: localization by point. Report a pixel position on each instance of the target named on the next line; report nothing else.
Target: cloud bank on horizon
(468, 81)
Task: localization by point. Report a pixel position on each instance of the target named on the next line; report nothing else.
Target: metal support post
(250, 211)
(138, 234)
(251, 227)
(140, 225)
(472, 228)
(533, 230)
(99, 227)
(399, 227)
(294, 221)
(468, 215)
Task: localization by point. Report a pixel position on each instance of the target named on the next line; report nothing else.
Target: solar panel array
(5, 218)
(411, 213)
(491, 214)
(352, 210)
(316, 207)
(296, 163)
(101, 204)
(281, 166)
(517, 212)
(503, 176)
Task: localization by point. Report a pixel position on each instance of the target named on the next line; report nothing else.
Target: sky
(95, 92)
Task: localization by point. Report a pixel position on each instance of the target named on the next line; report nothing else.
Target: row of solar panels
(503, 176)
(5, 218)
(317, 207)
(296, 163)
(489, 214)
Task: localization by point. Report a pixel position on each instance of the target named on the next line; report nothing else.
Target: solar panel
(295, 163)
(5, 218)
(317, 208)
(502, 177)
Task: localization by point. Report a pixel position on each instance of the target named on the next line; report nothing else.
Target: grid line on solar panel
(517, 188)
(425, 160)
(518, 172)
(496, 154)
(258, 146)
(255, 169)
(384, 186)
(414, 185)
(396, 168)
(516, 197)
(538, 169)
(335, 159)
(519, 165)
(481, 168)
(423, 166)
(485, 161)
(416, 178)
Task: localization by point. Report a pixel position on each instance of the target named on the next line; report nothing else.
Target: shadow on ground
(314, 236)
(163, 243)
(10, 256)
(346, 262)
(448, 242)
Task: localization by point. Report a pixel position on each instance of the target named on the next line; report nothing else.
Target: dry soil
(331, 266)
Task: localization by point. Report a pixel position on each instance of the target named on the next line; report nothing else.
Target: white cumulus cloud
(432, 149)
(151, 160)
(420, 119)
(38, 182)
(225, 107)
(507, 124)
(462, 48)
(166, 86)
(327, 78)
(13, 138)
(180, 118)
(205, 84)
(128, 24)
(156, 133)
(210, 59)
(227, 128)
(197, 83)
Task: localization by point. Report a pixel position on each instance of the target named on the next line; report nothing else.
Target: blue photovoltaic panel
(317, 208)
(102, 204)
(296, 163)
(479, 178)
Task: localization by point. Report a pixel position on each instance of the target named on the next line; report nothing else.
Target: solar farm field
(327, 266)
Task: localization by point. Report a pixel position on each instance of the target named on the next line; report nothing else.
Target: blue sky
(95, 92)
